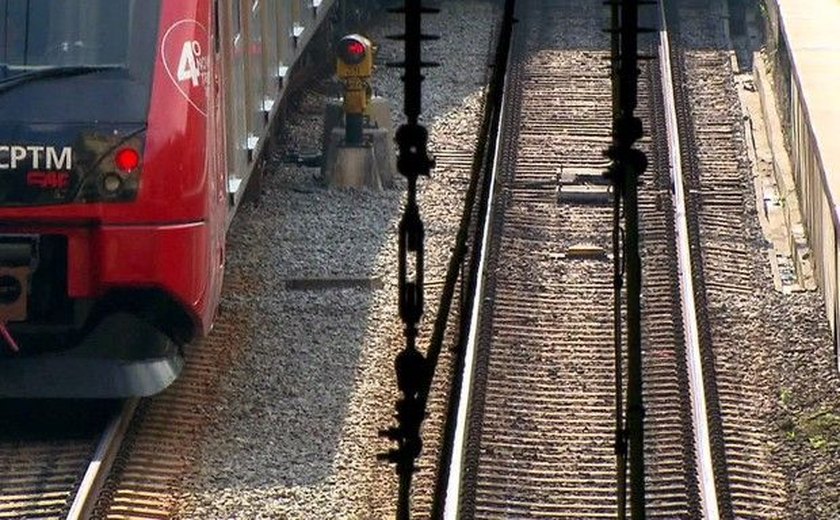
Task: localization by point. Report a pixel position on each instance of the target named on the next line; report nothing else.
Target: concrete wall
(816, 203)
(780, 67)
(813, 183)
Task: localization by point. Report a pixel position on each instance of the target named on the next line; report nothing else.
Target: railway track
(542, 422)
(100, 463)
(162, 442)
(729, 259)
(55, 455)
(671, 432)
(540, 436)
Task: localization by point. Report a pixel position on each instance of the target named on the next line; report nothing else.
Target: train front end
(109, 260)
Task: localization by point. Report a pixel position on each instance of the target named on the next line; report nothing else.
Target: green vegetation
(784, 397)
(822, 429)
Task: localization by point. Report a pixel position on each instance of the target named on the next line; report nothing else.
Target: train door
(234, 55)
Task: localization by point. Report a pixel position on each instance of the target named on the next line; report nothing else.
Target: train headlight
(112, 183)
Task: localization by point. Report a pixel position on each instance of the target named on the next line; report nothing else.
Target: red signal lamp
(355, 48)
(127, 160)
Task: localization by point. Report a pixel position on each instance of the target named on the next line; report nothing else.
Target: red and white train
(128, 131)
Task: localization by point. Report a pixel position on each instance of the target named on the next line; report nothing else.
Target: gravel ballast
(295, 433)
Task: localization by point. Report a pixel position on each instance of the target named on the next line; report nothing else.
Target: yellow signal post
(355, 68)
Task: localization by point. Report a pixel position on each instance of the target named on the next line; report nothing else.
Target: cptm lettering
(37, 157)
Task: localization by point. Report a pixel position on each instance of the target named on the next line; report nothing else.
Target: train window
(216, 27)
(39, 33)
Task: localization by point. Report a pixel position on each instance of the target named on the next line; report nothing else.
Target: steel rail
(708, 492)
(103, 458)
(477, 211)
(453, 491)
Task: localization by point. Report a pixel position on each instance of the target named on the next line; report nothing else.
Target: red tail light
(127, 159)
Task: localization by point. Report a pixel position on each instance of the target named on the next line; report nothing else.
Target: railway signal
(355, 68)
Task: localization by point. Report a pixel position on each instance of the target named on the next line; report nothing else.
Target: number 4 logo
(187, 67)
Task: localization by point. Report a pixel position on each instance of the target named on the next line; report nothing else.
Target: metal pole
(635, 406)
(632, 170)
(412, 368)
(618, 278)
(353, 133)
